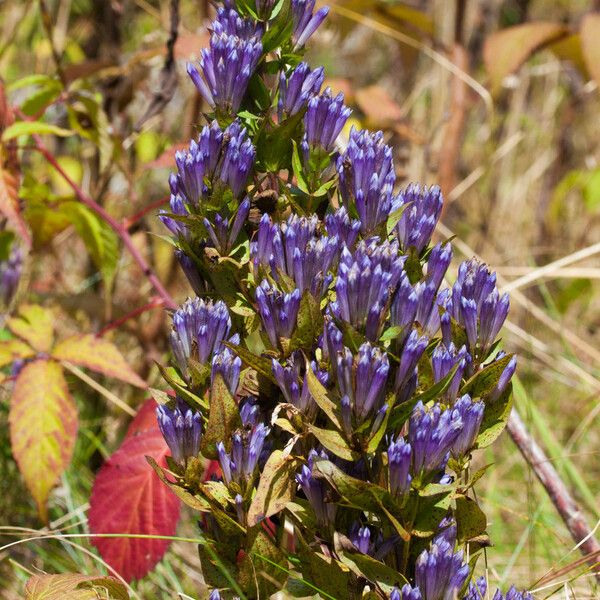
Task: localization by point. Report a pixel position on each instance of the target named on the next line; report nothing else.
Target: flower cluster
(344, 384)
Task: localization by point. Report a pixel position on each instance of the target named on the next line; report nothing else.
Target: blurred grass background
(519, 168)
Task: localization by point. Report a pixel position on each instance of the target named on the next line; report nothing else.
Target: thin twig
(564, 503)
(117, 227)
(129, 222)
(136, 312)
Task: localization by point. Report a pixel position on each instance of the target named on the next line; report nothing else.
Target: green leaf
(334, 442)
(276, 487)
(260, 364)
(320, 396)
(280, 28)
(34, 127)
(298, 170)
(391, 333)
(413, 266)
(35, 325)
(223, 418)
(309, 323)
(49, 92)
(495, 418)
(395, 217)
(470, 519)
(485, 380)
(6, 241)
(432, 510)
(373, 570)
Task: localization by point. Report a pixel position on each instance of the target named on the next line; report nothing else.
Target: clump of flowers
(328, 368)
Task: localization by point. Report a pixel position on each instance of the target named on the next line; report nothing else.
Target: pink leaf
(128, 498)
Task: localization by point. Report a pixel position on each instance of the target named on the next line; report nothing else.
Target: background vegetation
(506, 120)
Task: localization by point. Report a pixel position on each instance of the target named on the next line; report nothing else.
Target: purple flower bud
(229, 22)
(182, 429)
(418, 221)
(277, 310)
(198, 329)
(324, 120)
(504, 379)
(314, 490)
(238, 158)
(477, 590)
(340, 225)
(443, 360)
(224, 234)
(406, 593)
(294, 386)
(192, 273)
(176, 227)
(363, 380)
(512, 594)
(404, 307)
(367, 178)
(471, 415)
(305, 23)
(431, 434)
(10, 274)
(399, 455)
(214, 595)
(364, 283)
(411, 354)
(228, 365)
(249, 412)
(439, 572)
(296, 90)
(225, 69)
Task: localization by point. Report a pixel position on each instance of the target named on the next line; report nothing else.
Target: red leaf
(128, 498)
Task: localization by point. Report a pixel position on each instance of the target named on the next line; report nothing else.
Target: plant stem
(568, 509)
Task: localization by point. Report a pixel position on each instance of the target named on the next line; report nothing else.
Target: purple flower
(411, 354)
(305, 23)
(226, 68)
(362, 379)
(238, 158)
(239, 466)
(277, 310)
(367, 177)
(443, 360)
(339, 224)
(505, 377)
(228, 365)
(477, 590)
(439, 572)
(361, 538)
(404, 307)
(314, 489)
(324, 120)
(192, 273)
(431, 434)
(478, 306)
(198, 329)
(182, 429)
(10, 274)
(364, 283)
(224, 234)
(406, 593)
(512, 594)
(296, 90)
(471, 415)
(399, 455)
(418, 221)
(214, 595)
(175, 226)
(230, 22)
(297, 250)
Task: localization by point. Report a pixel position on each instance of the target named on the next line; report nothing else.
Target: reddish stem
(154, 303)
(133, 219)
(117, 227)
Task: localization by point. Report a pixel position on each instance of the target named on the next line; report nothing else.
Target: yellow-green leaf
(34, 324)
(590, 44)
(11, 350)
(34, 127)
(43, 427)
(98, 355)
(73, 586)
(506, 50)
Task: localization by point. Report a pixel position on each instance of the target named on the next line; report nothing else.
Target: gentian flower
(198, 329)
(367, 177)
(10, 274)
(431, 434)
(314, 490)
(407, 369)
(224, 234)
(478, 306)
(512, 594)
(443, 360)
(364, 284)
(277, 310)
(238, 158)
(225, 69)
(305, 23)
(176, 227)
(182, 429)
(505, 377)
(406, 593)
(477, 590)
(439, 572)
(418, 221)
(296, 90)
(399, 455)
(324, 120)
(404, 307)
(471, 415)
(230, 22)
(340, 225)
(228, 365)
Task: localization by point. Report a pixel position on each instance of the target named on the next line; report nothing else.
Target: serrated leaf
(73, 586)
(276, 487)
(506, 50)
(34, 127)
(129, 498)
(470, 519)
(99, 355)
(11, 350)
(35, 325)
(223, 418)
(43, 427)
